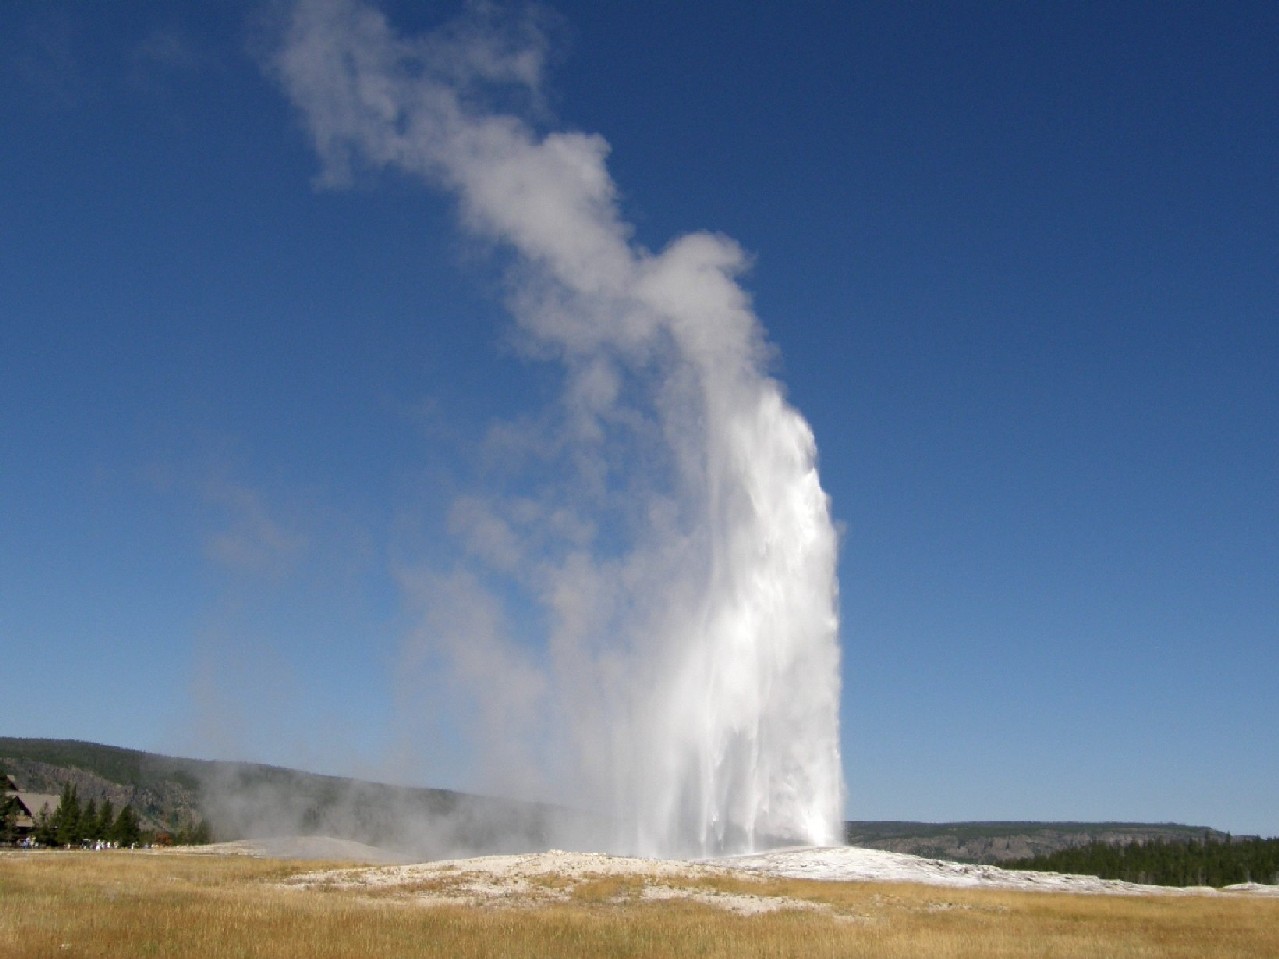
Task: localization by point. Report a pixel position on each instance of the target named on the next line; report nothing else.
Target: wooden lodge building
(29, 806)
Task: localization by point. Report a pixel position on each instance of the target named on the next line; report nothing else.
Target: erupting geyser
(688, 681)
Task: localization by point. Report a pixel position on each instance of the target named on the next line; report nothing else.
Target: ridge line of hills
(254, 800)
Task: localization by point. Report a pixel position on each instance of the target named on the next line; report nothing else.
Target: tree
(106, 819)
(8, 811)
(46, 831)
(67, 825)
(194, 834)
(126, 830)
(8, 819)
(89, 821)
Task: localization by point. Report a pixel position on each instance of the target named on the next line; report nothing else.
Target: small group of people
(28, 842)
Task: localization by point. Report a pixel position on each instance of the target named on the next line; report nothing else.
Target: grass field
(131, 904)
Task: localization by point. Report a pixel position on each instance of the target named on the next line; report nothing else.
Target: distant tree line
(74, 824)
(1195, 862)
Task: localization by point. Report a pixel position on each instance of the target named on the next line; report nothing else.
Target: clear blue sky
(1020, 263)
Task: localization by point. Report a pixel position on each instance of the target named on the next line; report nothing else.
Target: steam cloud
(681, 554)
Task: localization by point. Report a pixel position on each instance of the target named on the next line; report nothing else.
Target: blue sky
(1018, 263)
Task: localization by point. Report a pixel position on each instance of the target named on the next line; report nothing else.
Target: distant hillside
(247, 800)
(997, 842)
(164, 792)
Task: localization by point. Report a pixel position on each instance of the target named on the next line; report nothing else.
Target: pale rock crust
(539, 878)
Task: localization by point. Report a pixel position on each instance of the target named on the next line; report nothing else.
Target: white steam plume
(688, 687)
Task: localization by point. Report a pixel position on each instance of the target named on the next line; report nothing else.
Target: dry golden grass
(129, 904)
(607, 889)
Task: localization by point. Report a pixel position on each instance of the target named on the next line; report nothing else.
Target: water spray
(690, 677)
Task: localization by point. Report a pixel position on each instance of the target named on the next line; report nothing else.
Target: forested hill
(1202, 862)
(1001, 842)
(240, 800)
(163, 791)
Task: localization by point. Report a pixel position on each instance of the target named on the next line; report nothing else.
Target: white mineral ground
(536, 878)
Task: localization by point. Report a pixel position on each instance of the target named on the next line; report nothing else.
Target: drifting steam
(686, 684)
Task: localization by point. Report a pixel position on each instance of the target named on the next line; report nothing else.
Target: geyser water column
(687, 559)
(741, 748)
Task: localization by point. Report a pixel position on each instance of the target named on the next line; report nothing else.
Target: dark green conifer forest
(1198, 862)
